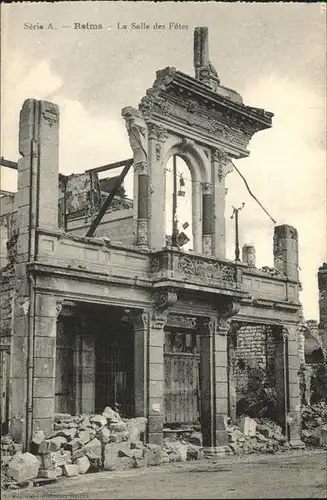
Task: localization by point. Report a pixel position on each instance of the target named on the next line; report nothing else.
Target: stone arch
(200, 171)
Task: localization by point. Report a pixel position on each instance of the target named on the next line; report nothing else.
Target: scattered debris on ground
(314, 424)
(78, 444)
(91, 443)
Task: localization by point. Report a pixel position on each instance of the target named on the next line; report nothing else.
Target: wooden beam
(110, 166)
(106, 204)
(8, 163)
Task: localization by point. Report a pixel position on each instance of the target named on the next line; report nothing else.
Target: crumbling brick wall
(254, 362)
(6, 302)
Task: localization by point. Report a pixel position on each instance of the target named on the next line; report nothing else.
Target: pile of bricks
(256, 436)
(314, 424)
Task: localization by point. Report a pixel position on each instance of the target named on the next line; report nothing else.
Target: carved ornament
(225, 317)
(163, 300)
(178, 321)
(205, 268)
(50, 115)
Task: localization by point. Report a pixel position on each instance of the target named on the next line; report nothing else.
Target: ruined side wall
(117, 230)
(254, 362)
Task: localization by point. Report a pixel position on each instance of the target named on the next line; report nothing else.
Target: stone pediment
(179, 99)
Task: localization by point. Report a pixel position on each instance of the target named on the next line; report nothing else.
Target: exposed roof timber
(106, 204)
(110, 166)
(8, 163)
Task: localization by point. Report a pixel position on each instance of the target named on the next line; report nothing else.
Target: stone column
(207, 218)
(138, 138)
(294, 399)
(221, 166)
(141, 329)
(280, 369)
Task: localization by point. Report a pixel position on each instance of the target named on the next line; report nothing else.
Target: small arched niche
(179, 195)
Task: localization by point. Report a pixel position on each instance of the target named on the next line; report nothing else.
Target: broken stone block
(93, 449)
(78, 453)
(61, 458)
(58, 471)
(104, 435)
(118, 437)
(63, 417)
(139, 463)
(23, 466)
(111, 451)
(59, 427)
(74, 444)
(48, 473)
(118, 426)
(193, 452)
(56, 443)
(100, 420)
(137, 453)
(136, 445)
(248, 426)
(109, 413)
(126, 453)
(83, 464)
(195, 438)
(85, 436)
(38, 437)
(69, 434)
(70, 470)
(152, 454)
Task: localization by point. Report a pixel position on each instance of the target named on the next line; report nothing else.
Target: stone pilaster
(156, 378)
(232, 384)
(47, 310)
(294, 398)
(157, 193)
(162, 302)
(141, 334)
(207, 218)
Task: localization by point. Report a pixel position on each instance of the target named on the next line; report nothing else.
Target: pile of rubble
(314, 424)
(187, 447)
(255, 436)
(79, 445)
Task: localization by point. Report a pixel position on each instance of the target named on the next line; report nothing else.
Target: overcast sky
(272, 54)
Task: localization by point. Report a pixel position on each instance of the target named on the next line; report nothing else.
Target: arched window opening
(179, 191)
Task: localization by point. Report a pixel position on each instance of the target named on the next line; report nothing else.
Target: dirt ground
(288, 475)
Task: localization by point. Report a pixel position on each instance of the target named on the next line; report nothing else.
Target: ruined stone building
(97, 308)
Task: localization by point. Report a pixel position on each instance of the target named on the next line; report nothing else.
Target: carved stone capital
(207, 188)
(140, 167)
(159, 320)
(223, 162)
